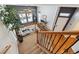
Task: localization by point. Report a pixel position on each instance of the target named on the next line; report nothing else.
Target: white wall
(74, 26)
(50, 11)
(74, 22)
(6, 38)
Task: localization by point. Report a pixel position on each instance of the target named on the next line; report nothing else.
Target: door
(64, 16)
(60, 24)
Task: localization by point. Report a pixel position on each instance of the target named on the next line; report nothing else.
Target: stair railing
(57, 42)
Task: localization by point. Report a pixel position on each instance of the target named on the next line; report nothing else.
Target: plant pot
(20, 38)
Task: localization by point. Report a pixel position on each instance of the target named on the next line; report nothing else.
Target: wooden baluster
(56, 40)
(51, 41)
(42, 39)
(45, 40)
(59, 43)
(49, 37)
(37, 37)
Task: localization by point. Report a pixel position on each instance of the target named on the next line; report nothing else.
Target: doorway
(63, 18)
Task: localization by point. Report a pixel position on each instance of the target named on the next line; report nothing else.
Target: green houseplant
(10, 18)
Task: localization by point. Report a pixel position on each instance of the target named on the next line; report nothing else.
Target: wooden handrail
(63, 32)
(57, 42)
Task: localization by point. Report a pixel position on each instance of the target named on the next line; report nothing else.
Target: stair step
(42, 52)
(31, 50)
(37, 51)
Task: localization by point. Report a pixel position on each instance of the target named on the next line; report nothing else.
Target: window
(64, 14)
(23, 18)
(29, 15)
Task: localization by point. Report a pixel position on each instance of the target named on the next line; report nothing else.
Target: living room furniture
(27, 30)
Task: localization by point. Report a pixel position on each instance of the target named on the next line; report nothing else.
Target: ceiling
(59, 5)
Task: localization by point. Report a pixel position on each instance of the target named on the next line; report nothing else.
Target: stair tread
(31, 50)
(37, 51)
(42, 52)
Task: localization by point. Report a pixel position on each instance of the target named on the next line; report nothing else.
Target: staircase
(57, 42)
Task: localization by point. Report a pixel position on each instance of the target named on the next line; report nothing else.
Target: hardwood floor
(28, 43)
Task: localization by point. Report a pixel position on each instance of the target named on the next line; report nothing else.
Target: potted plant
(10, 18)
